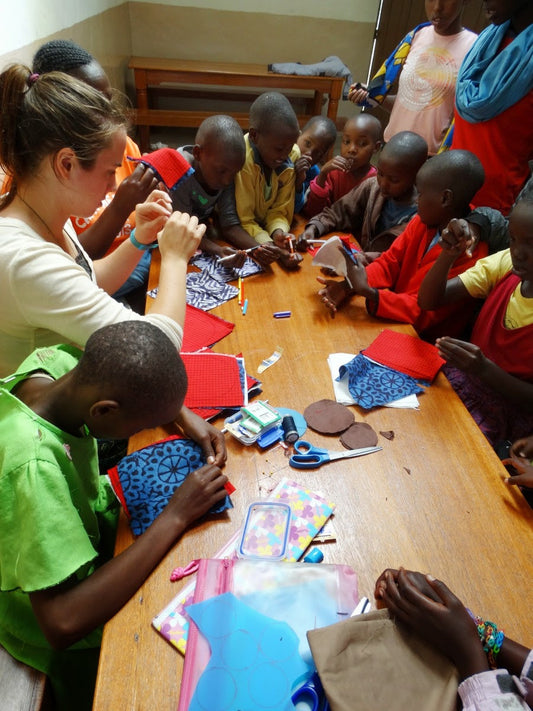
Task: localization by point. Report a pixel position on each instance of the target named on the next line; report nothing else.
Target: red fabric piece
(213, 380)
(169, 165)
(203, 329)
(400, 270)
(406, 353)
(504, 145)
(510, 349)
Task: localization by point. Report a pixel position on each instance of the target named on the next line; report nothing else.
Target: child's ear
(253, 135)
(197, 151)
(378, 146)
(104, 408)
(447, 197)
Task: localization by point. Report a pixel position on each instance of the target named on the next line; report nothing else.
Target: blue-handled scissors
(310, 457)
(312, 695)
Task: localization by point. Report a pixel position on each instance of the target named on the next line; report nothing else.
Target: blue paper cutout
(371, 384)
(150, 476)
(254, 662)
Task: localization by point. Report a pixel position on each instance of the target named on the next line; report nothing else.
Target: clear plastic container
(266, 531)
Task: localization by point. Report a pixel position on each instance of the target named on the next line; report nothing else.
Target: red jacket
(398, 273)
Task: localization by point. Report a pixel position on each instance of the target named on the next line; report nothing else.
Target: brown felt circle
(328, 417)
(359, 435)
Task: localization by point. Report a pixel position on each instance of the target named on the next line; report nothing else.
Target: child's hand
(134, 189)
(461, 354)
(333, 294)
(208, 437)
(523, 448)
(180, 236)
(289, 260)
(301, 167)
(283, 240)
(336, 163)
(151, 216)
(233, 258)
(439, 617)
(459, 236)
(308, 234)
(202, 489)
(356, 275)
(265, 254)
(357, 94)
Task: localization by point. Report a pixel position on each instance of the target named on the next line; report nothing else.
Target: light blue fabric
(489, 81)
(137, 278)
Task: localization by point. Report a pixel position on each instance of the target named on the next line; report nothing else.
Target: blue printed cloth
(205, 292)
(210, 264)
(372, 385)
(145, 480)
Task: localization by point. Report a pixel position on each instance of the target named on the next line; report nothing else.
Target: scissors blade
(354, 453)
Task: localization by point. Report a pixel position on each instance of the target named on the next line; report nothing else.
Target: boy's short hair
(224, 131)
(407, 147)
(369, 122)
(457, 170)
(135, 363)
(325, 124)
(272, 110)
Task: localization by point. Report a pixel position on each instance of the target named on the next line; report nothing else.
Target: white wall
(30, 20)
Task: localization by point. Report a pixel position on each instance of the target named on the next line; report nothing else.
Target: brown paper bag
(370, 663)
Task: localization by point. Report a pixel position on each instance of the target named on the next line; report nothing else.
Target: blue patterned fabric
(205, 292)
(150, 476)
(210, 264)
(372, 385)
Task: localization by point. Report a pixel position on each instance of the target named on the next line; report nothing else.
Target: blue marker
(282, 314)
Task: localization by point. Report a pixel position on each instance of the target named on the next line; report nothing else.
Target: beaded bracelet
(140, 245)
(491, 638)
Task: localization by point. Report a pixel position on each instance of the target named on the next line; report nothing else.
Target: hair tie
(32, 79)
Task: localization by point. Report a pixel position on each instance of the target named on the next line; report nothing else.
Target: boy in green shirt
(58, 580)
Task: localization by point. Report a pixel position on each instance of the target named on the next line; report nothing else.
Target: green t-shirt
(54, 510)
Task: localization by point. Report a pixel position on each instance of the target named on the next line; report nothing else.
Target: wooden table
(433, 500)
(150, 72)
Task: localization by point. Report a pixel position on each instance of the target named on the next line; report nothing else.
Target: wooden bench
(21, 687)
(157, 73)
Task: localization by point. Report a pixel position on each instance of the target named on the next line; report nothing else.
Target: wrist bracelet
(490, 637)
(139, 245)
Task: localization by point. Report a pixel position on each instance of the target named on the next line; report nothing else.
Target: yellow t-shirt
(481, 279)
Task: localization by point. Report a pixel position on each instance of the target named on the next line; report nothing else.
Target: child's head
(521, 239)
(499, 11)
(219, 152)
(273, 128)
(445, 15)
(398, 164)
(66, 56)
(317, 138)
(40, 115)
(361, 138)
(131, 377)
(446, 184)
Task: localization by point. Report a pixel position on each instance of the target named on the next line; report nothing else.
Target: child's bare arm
(68, 612)
(470, 358)
(240, 239)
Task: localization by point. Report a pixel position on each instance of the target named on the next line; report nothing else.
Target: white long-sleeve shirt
(498, 691)
(47, 298)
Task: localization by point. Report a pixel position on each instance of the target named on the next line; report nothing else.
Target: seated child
(217, 156)
(390, 284)
(497, 679)
(361, 138)
(316, 139)
(376, 211)
(493, 373)
(59, 581)
(264, 188)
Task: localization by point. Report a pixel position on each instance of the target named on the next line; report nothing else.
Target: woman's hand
(151, 216)
(181, 235)
(208, 437)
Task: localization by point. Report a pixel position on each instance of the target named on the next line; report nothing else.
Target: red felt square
(406, 353)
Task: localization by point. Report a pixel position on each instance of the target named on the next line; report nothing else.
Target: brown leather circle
(359, 435)
(328, 417)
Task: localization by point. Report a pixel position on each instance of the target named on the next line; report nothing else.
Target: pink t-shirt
(426, 90)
